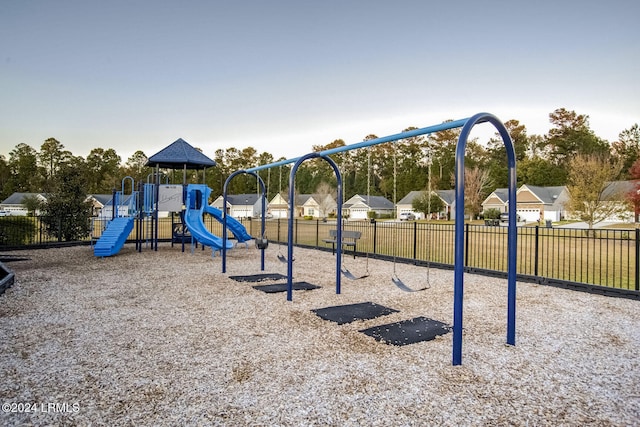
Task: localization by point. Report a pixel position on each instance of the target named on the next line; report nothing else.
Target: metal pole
(460, 238)
(408, 134)
(224, 216)
(290, 220)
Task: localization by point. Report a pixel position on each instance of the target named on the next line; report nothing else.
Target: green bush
(17, 231)
(491, 214)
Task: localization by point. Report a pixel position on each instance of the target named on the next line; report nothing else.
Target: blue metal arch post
(224, 216)
(292, 187)
(459, 233)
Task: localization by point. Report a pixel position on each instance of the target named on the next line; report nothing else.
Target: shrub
(67, 201)
(16, 231)
(492, 213)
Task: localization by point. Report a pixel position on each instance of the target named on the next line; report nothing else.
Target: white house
(241, 205)
(279, 206)
(617, 193)
(447, 196)
(358, 206)
(315, 205)
(98, 202)
(126, 205)
(307, 205)
(14, 204)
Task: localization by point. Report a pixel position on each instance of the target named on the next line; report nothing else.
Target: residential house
(498, 199)
(315, 205)
(101, 204)
(358, 207)
(617, 193)
(126, 205)
(241, 205)
(15, 204)
(448, 198)
(98, 202)
(307, 205)
(278, 207)
(535, 203)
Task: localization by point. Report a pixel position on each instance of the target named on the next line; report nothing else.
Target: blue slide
(197, 198)
(235, 226)
(113, 238)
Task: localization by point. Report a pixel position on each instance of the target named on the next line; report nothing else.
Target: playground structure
(466, 125)
(189, 202)
(197, 197)
(142, 206)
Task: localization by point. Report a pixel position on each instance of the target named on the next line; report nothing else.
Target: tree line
(391, 170)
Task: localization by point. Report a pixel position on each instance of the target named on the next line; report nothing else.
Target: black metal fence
(605, 257)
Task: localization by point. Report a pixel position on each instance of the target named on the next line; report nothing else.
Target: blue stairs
(113, 237)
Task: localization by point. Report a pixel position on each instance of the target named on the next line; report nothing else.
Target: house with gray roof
(498, 199)
(535, 203)
(307, 205)
(617, 196)
(126, 205)
(358, 206)
(98, 202)
(15, 204)
(315, 205)
(278, 206)
(241, 205)
(101, 204)
(447, 196)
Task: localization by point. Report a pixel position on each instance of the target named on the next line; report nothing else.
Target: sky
(283, 76)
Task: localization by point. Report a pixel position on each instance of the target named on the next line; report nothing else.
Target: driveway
(585, 225)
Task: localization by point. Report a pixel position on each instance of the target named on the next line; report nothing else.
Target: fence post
(375, 234)
(278, 237)
(415, 240)
(637, 278)
(466, 245)
(317, 232)
(535, 254)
